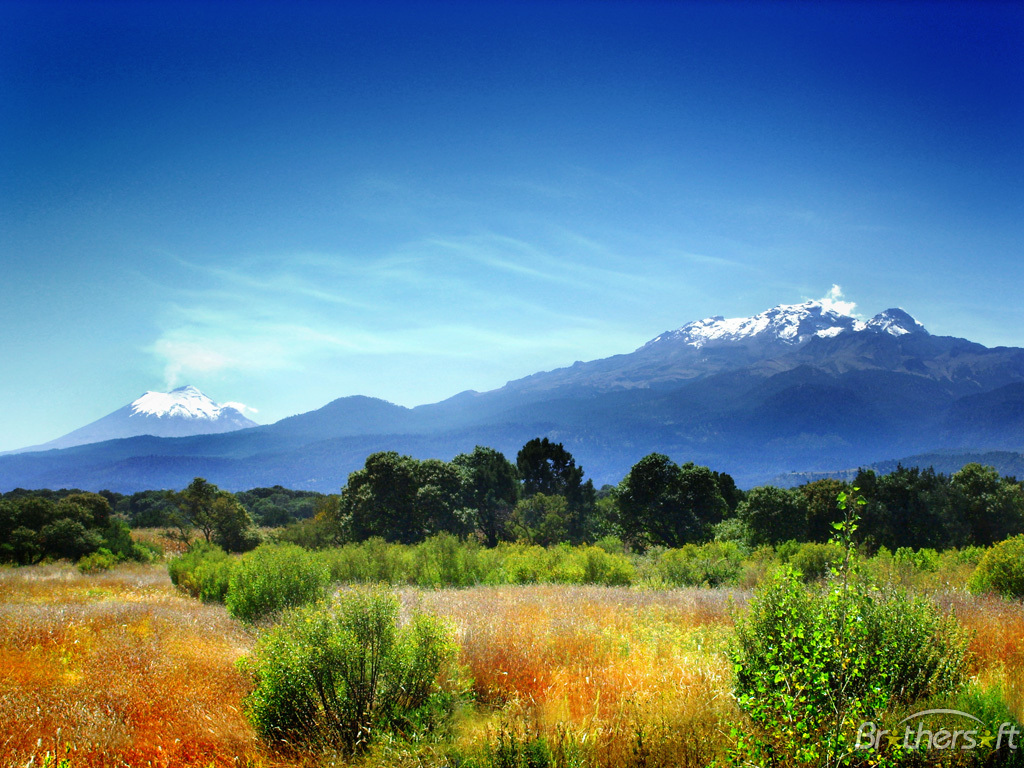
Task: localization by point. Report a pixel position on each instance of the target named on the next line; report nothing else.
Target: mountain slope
(179, 413)
(798, 388)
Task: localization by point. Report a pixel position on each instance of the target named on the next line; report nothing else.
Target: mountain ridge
(803, 387)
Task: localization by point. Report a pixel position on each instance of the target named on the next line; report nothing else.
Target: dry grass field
(630, 677)
(118, 669)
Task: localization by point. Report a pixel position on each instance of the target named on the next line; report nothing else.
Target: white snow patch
(185, 402)
(792, 324)
(830, 333)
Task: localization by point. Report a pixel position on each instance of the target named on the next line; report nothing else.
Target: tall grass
(616, 677)
(117, 669)
(125, 670)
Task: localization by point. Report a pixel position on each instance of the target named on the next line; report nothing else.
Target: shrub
(371, 561)
(272, 578)
(445, 561)
(97, 562)
(333, 677)
(816, 561)
(710, 564)
(117, 539)
(812, 664)
(184, 569)
(213, 578)
(612, 569)
(523, 563)
(1001, 569)
(512, 749)
(920, 560)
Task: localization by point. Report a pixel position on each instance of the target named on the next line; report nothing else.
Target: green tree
(727, 487)
(34, 527)
(911, 507)
(490, 489)
(822, 509)
(548, 468)
(216, 514)
(541, 519)
(439, 497)
(22, 520)
(68, 538)
(660, 503)
(92, 508)
(194, 509)
(380, 499)
(992, 508)
(234, 529)
(773, 515)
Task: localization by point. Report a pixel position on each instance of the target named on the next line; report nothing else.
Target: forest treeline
(542, 498)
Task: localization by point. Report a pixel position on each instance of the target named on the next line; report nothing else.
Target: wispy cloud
(241, 407)
(484, 294)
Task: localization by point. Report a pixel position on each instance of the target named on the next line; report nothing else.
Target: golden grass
(998, 644)
(118, 669)
(629, 677)
(165, 538)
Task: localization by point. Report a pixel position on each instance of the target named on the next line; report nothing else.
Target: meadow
(120, 668)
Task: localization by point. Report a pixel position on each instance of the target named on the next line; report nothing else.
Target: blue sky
(286, 203)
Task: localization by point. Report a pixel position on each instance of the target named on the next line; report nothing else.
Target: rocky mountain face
(797, 388)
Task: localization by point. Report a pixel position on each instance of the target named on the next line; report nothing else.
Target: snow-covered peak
(184, 402)
(788, 323)
(895, 322)
(791, 325)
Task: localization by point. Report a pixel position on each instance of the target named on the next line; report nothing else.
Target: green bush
(1001, 569)
(512, 749)
(333, 677)
(611, 544)
(812, 664)
(445, 561)
(370, 561)
(213, 578)
(921, 559)
(183, 569)
(117, 539)
(272, 578)
(97, 562)
(816, 561)
(612, 569)
(711, 564)
(523, 563)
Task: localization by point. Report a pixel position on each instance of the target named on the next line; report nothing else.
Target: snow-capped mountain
(788, 324)
(182, 403)
(717, 344)
(182, 412)
(799, 387)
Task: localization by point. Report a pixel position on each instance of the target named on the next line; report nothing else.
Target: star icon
(987, 739)
(893, 740)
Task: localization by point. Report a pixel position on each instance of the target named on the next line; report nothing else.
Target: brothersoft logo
(911, 733)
